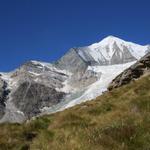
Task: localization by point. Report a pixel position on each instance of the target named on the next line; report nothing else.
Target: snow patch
(50, 66)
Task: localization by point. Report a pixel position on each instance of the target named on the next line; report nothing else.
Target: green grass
(117, 120)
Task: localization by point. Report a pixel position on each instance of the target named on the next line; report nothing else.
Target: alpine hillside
(116, 120)
(83, 73)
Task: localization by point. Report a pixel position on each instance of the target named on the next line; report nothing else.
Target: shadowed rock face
(33, 86)
(84, 79)
(46, 75)
(72, 62)
(3, 96)
(88, 59)
(135, 71)
(30, 97)
(120, 57)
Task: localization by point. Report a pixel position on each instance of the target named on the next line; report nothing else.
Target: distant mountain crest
(106, 49)
(110, 51)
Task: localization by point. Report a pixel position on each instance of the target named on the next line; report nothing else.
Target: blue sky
(45, 29)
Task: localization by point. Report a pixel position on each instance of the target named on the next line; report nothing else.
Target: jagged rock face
(30, 97)
(33, 86)
(2, 99)
(121, 57)
(135, 71)
(3, 96)
(43, 73)
(80, 80)
(84, 53)
(72, 62)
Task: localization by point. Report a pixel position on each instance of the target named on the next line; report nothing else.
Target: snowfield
(97, 88)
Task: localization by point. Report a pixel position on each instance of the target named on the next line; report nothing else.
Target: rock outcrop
(135, 71)
(4, 91)
(72, 62)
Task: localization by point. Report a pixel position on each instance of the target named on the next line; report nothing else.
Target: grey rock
(134, 72)
(30, 97)
(88, 59)
(81, 80)
(121, 57)
(72, 62)
(3, 96)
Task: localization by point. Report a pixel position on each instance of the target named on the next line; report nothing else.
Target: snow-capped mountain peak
(112, 50)
(107, 41)
(81, 74)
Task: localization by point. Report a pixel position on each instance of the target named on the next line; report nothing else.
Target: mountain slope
(32, 87)
(80, 75)
(116, 120)
(105, 59)
(132, 73)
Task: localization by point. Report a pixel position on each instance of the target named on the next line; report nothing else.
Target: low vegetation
(117, 120)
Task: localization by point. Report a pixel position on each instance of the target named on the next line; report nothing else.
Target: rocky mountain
(81, 74)
(138, 69)
(118, 119)
(32, 87)
(109, 51)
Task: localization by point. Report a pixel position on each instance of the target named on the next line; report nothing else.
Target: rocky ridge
(134, 72)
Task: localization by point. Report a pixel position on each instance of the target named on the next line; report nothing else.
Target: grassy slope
(117, 120)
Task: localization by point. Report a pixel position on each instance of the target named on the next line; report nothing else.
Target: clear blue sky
(46, 29)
